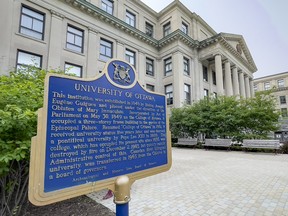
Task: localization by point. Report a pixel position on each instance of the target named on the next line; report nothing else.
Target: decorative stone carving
(239, 49)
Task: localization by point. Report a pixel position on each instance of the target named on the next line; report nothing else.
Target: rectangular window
(166, 29)
(284, 112)
(214, 94)
(130, 57)
(169, 94)
(149, 29)
(73, 69)
(25, 59)
(187, 94)
(168, 66)
(206, 92)
(282, 99)
(184, 28)
(214, 77)
(107, 5)
(75, 39)
(186, 66)
(266, 85)
(205, 73)
(106, 49)
(280, 83)
(149, 67)
(255, 87)
(32, 23)
(130, 18)
(150, 87)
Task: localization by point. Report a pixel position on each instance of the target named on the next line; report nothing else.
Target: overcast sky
(263, 24)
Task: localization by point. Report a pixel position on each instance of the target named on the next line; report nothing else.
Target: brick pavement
(212, 183)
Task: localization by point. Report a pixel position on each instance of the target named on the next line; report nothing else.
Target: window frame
(149, 29)
(103, 56)
(186, 65)
(280, 83)
(214, 80)
(73, 65)
(150, 87)
(131, 17)
(168, 62)
(130, 56)
(282, 99)
(169, 94)
(151, 64)
(19, 65)
(187, 94)
(206, 93)
(105, 6)
(166, 29)
(184, 28)
(74, 45)
(21, 26)
(205, 73)
(266, 86)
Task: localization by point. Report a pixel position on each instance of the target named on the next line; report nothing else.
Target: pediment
(238, 43)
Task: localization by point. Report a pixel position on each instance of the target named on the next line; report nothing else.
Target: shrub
(21, 95)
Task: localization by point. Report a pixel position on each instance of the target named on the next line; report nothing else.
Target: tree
(21, 95)
(258, 115)
(227, 117)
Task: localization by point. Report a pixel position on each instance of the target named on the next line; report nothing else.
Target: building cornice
(108, 18)
(272, 76)
(178, 35)
(100, 14)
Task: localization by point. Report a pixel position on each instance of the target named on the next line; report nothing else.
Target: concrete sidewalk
(212, 183)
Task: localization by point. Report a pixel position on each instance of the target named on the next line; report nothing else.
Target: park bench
(261, 144)
(217, 143)
(187, 141)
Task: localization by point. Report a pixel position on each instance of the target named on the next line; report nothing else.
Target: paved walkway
(212, 183)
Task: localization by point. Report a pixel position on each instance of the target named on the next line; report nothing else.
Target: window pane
(32, 23)
(75, 31)
(74, 39)
(37, 25)
(130, 18)
(280, 83)
(28, 59)
(26, 21)
(78, 41)
(73, 69)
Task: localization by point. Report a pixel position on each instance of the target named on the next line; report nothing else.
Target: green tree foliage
(227, 117)
(21, 95)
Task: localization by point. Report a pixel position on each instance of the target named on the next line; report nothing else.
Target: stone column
(247, 87)
(197, 80)
(228, 80)
(235, 81)
(178, 83)
(55, 44)
(219, 74)
(6, 26)
(242, 84)
(92, 53)
(251, 82)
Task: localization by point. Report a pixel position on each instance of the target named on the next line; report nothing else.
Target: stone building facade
(175, 51)
(279, 84)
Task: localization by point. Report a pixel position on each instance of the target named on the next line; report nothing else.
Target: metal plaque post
(122, 196)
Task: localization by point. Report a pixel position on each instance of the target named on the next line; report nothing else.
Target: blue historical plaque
(103, 128)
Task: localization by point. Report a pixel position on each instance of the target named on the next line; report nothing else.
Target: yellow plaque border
(36, 193)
